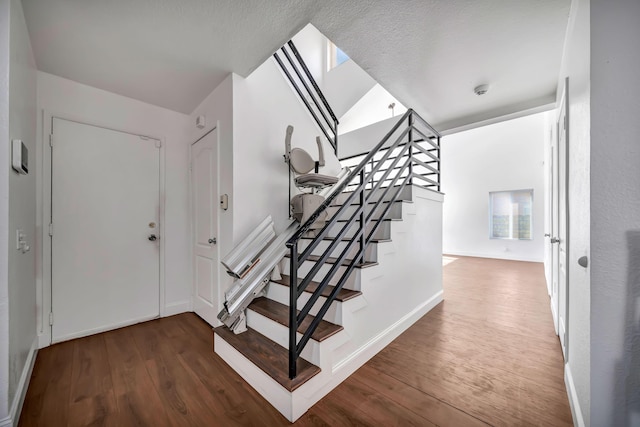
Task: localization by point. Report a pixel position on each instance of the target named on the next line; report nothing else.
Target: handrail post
(410, 154)
(439, 163)
(293, 310)
(361, 229)
(373, 178)
(335, 136)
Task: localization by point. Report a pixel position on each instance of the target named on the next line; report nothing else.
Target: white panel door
(204, 185)
(554, 232)
(561, 237)
(105, 210)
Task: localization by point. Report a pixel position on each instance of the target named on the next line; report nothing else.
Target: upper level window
(510, 214)
(335, 56)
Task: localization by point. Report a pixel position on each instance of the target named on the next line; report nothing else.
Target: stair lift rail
(298, 74)
(397, 161)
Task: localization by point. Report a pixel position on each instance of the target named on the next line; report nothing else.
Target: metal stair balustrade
(302, 81)
(408, 155)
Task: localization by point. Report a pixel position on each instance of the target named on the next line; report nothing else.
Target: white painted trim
(45, 337)
(384, 338)
(162, 228)
(176, 308)
(574, 403)
(554, 316)
(105, 328)
(21, 391)
(492, 256)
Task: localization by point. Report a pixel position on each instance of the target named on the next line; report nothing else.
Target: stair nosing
(373, 202)
(346, 239)
(332, 260)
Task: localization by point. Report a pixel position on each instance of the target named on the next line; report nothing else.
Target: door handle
(555, 240)
(547, 235)
(213, 241)
(152, 237)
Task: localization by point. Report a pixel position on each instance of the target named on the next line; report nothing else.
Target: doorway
(105, 233)
(204, 198)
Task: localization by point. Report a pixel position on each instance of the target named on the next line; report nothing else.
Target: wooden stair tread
(280, 313)
(346, 239)
(337, 205)
(272, 358)
(343, 294)
(332, 260)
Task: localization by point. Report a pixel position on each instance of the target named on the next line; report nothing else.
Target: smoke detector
(481, 90)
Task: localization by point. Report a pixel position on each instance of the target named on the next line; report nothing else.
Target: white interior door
(554, 232)
(562, 233)
(204, 185)
(105, 209)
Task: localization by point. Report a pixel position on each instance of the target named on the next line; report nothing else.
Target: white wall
(373, 107)
(22, 203)
(503, 156)
(67, 99)
(343, 85)
(575, 65)
(263, 106)
(4, 208)
(615, 215)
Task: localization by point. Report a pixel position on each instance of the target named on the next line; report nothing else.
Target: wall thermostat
(20, 158)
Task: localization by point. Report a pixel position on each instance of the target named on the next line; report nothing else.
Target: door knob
(152, 237)
(547, 235)
(213, 241)
(555, 240)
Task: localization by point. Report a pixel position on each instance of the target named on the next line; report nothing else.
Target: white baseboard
(21, 391)
(576, 411)
(504, 256)
(106, 328)
(176, 308)
(384, 338)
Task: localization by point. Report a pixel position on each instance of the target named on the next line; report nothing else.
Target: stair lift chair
(307, 178)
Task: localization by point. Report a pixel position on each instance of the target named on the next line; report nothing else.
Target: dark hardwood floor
(486, 355)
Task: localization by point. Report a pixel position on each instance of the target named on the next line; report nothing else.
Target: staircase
(353, 286)
(371, 272)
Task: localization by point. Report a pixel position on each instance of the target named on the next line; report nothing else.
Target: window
(335, 55)
(510, 214)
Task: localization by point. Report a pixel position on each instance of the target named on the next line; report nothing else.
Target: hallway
(486, 355)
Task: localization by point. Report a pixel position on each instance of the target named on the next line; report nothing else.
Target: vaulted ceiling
(429, 54)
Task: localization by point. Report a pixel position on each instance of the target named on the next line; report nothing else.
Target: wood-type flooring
(487, 355)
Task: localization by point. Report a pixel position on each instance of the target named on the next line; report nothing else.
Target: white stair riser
(280, 334)
(371, 253)
(353, 282)
(394, 212)
(405, 194)
(382, 233)
(280, 293)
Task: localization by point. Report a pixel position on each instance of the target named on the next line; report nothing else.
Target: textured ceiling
(429, 54)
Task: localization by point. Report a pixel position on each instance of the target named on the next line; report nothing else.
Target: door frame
(43, 164)
(218, 289)
(564, 103)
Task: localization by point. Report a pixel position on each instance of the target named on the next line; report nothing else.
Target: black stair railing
(298, 74)
(408, 154)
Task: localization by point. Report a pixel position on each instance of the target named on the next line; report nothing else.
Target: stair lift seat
(302, 164)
